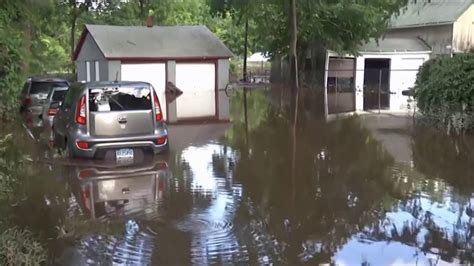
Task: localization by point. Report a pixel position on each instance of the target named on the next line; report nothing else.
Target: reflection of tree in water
(346, 186)
(452, 158)
(340, 177)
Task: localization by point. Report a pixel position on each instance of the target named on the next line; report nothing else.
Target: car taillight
(86, 173)
(27, 100)
(82, 144)
(81, 111)
(161, 140)
(52, 111)
(158, 115)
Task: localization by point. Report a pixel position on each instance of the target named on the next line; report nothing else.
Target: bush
(444, 91)
(19, 247)
(11, 59)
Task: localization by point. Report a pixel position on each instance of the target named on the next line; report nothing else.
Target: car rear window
(119, 99)
(58, 95)
(45, 87)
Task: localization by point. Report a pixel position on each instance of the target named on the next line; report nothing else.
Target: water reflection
(119, 191)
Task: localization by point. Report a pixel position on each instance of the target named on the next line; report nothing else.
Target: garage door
(197, 81)
(155, 74)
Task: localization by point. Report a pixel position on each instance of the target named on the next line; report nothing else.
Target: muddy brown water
(369, 189)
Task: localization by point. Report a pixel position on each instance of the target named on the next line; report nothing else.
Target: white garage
(190, 57)
(375, 78)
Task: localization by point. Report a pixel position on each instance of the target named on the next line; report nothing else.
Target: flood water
(369, 189)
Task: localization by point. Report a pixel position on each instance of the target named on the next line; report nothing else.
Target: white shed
(376, 77)
(191, 57)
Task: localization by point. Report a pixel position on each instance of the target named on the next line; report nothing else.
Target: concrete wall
(403, 70)
(91, 53)
(463, 37)
(438, 37)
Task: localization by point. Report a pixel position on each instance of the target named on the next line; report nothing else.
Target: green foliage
(11, 58)
(19, 247)
(339, 25)
(444, 91)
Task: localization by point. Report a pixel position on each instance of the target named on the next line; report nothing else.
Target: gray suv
(111, 120)
(34, 96)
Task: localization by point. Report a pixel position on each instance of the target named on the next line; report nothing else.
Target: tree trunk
(73, 38)
(294, 83)
(141, 4)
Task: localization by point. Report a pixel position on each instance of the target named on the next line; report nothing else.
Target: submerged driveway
(369, 189)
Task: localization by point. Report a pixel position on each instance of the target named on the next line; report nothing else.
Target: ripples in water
(134, 247)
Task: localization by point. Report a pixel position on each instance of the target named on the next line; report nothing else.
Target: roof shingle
(158, 42)
(435, 12)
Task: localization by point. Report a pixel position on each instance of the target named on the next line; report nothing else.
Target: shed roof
(158, 42)
(391, 45)
(428, 13)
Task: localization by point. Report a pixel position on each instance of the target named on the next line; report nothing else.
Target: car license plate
(124, 154)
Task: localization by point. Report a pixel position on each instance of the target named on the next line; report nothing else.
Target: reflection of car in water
(106, 190)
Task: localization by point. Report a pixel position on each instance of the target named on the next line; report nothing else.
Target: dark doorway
(377, 84)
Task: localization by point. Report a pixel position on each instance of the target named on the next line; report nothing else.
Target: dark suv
(33, 97)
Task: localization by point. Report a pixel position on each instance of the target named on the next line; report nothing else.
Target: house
(376, 77)
(385, 67)
(190, 57)
(447, 26)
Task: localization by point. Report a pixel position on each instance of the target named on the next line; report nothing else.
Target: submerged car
(34, 95)
(110, 120)
(51, 107)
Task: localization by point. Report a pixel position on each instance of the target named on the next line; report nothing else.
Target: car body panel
(53, 100)
(120, 123)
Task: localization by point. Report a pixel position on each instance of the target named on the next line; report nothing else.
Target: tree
(293, 48)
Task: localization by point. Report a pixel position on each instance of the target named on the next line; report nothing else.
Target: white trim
(395, 53)
(88, 71)
(97, 71)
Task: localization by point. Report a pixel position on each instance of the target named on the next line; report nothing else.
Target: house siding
(463, 37)
(439, 37)
(91, 52)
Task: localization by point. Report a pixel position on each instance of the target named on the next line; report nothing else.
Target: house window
(97, 73)
(88, 71)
